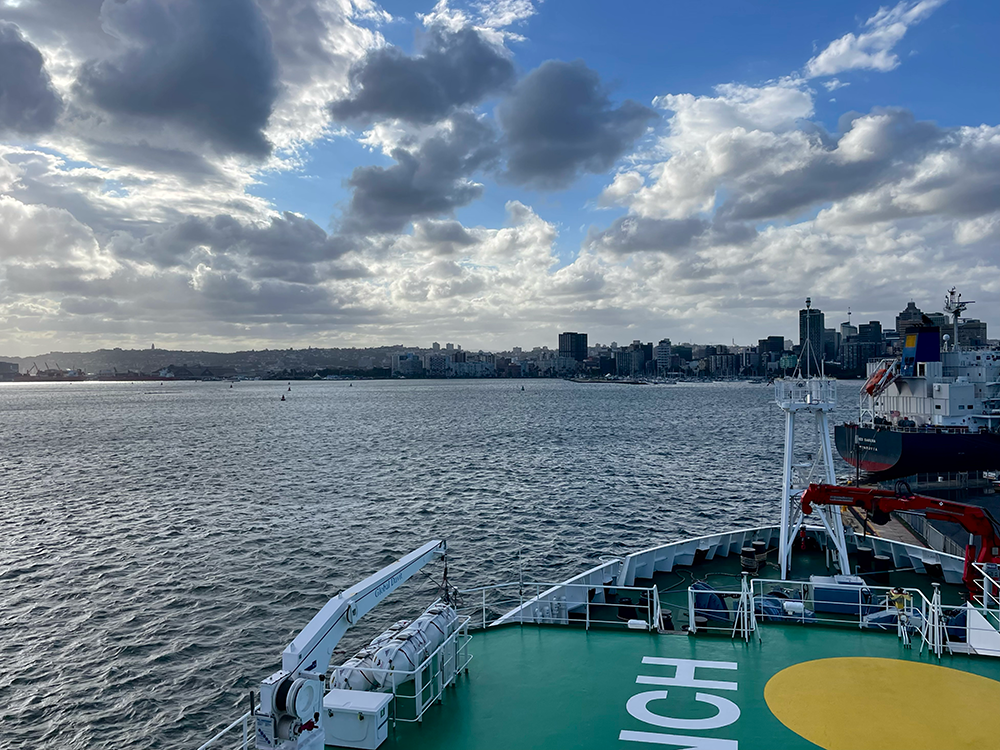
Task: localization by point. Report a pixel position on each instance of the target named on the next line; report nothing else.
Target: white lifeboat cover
(404, 653)
(356, 672)
(437, 623)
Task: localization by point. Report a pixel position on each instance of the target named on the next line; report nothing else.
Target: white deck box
(356, 718)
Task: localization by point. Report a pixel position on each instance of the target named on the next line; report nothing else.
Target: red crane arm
(880, 503)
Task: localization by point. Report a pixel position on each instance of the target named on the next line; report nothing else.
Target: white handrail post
(657, 612)
(692, 625)
(936, 617)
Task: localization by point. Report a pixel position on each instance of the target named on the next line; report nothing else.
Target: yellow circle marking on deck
(886, 704)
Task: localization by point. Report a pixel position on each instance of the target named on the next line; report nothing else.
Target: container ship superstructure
(934, 409)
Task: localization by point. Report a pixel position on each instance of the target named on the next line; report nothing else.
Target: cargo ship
(802, 634)
(935, 409)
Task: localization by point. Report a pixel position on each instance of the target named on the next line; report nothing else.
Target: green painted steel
(557, 687)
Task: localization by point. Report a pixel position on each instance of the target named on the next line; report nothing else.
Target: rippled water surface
(162, 543)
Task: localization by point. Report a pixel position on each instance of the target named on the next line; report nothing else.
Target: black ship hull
(889, 454)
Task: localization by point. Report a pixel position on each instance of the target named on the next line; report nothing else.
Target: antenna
(954, 305)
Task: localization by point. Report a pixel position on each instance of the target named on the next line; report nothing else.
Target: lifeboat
(412, 645)
(356, 673)
(880, 380)
(876, 377)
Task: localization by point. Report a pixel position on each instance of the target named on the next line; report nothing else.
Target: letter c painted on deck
(728, 712)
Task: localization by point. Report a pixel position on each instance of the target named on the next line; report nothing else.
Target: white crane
(291, 713)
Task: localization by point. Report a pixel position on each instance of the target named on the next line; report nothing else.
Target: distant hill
(251, 361)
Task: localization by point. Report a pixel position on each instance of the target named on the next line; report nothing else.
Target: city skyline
(828, 323)
(488, 170)
(843, 350)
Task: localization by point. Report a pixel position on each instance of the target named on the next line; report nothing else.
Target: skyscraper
(663, 356)
(811, 323)
(573, 345)
(908, 318)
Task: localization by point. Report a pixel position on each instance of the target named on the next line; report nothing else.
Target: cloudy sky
(247, 173)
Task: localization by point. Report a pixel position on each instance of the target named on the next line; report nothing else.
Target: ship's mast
(954, 306)
(807, 352)
(806, 463)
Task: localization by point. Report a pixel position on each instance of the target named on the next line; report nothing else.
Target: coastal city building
(909, 318)
(663, 354)
(811, 324)
(573, 345)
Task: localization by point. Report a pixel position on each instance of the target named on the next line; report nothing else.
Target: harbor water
(162, 542)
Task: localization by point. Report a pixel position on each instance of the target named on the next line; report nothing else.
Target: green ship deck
(800, 687)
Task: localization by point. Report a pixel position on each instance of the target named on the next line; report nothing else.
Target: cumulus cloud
(124, 225)
(315, 43)
(750, 156)
(559, 122)
(633, 234)
(454, 68)
(429, 181)
(871, 49)
(42, 234)
(28, 102)
(206, 66)
(287, 239)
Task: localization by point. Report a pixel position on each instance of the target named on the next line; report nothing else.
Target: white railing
(934, 538)
(857, 605)
(586, 604)
(915, 613)
(429, 680)
(225, 739)
(989, 600)
(806, 392)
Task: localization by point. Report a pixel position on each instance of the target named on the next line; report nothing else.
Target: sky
(243, 174)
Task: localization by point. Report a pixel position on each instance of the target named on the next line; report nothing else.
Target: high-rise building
(662, 354)
(811, 323)
(908, 318)
(972, 333)
(940, 320)
(436, 346)
(831, 343)
(573, 345)
(870, 332)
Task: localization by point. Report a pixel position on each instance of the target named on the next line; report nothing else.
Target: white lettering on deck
(727, 712)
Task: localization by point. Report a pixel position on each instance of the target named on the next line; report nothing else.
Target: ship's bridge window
(937, 406)
(961, 406)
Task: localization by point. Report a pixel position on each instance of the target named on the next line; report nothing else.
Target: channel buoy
(282, 396)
